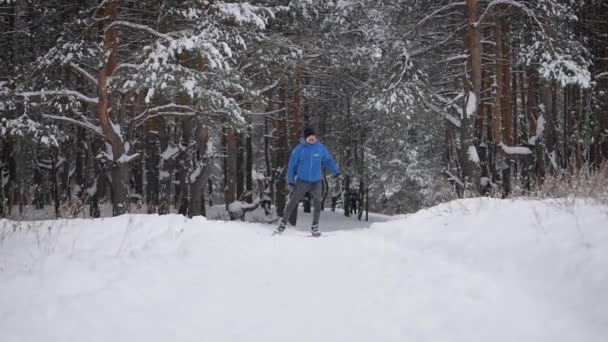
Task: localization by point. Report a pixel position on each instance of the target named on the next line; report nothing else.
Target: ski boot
(280, 229)
(314, 230)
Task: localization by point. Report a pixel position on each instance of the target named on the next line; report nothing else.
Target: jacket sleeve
(329, 162)
(292, 166)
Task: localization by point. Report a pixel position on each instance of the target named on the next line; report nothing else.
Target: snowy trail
(470, 271)
(330, 222)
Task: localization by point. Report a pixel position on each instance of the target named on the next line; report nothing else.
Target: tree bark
(184, 166)
(166, 169)
(230, 165)
(601, 64)
(533, 117)
(240, 165)
(110, 49)
(280, 149)
(270, 174)
(152, 163)
(532, 102)
(550, 137)
(296, 107)
(503, 75)
(200, 174)
(346, 196)
(470, 167)
(249, 164)
(504, 106)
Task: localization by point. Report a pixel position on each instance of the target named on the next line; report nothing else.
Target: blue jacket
(307, 161)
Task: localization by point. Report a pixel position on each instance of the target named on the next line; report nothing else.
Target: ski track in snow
(471, 270)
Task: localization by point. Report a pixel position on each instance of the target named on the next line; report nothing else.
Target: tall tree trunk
(531, 101)
(200, 174)
(504, 104)
(550, 137)
(97, 189)
(56, 196)
(230, 166)
(39, 189)
(203, 163)
(503, 74)
(306, 119)
(80, 175)
(296, 127)
(110, 49)
(601, 64)
(240, 165)
(249, 164)
(184, 166)
(346, 196)
(567, 124)
(210, 191)
(533, 118)
(577, 123)
(469, 164)
(296, 107)
(4, 156)
(484, 117)
(182, 185)
(152, 163)
(514, 107)
(280, 149)
(270, 175)
(166, 168)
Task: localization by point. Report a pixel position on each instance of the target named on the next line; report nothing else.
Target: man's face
(311, 139)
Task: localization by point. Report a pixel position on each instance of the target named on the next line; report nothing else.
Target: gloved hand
(291, 187)
(337, 176)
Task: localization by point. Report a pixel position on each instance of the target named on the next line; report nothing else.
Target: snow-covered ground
(470, 270)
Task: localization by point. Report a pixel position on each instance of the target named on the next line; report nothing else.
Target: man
(304, 173)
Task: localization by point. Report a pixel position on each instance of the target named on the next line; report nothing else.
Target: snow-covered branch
(428, 17)
(515, 150)
(84, 124)
(456, 58)
(84, 73)
(125, 66)
(248, 112)
(268, 87)
(169, 114)
(453, 120)
(64, 92)
(514, 3)
(126, 159)
(158, 111)
(450, 38)
(139, 27)
(453, 178)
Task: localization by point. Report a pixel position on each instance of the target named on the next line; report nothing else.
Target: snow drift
(469, 270)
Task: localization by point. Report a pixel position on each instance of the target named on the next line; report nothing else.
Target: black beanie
(308, 131)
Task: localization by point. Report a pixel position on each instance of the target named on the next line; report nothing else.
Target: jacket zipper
(310, 170)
